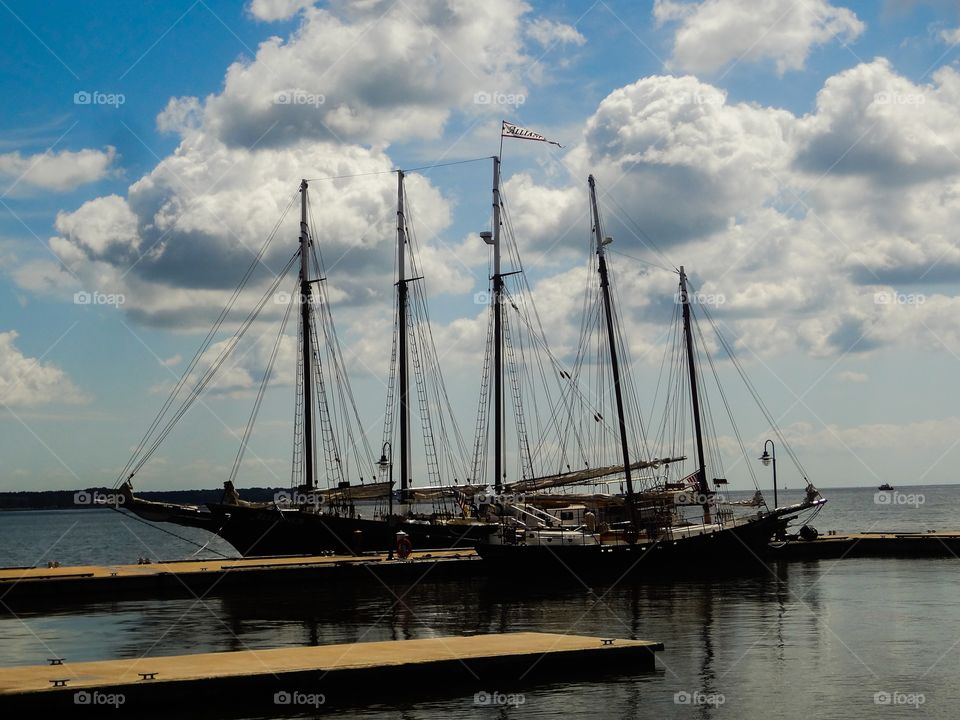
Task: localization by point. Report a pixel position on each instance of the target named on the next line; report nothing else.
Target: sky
(800, 159)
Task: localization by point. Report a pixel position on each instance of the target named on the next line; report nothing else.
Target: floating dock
(303, 679)
(873, 544)
(178, 578)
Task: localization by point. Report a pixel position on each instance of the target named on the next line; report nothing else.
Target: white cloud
(372, 72)
(925, 434)
(60, 171)
(713, 33)
(549, 33)
(27, 382)
(852, 376)
(951, 36)
(273, 10)
(811, 237)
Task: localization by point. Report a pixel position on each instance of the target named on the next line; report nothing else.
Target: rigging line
(212, 370)
(205, 344)
(260, 393)
(759, 400)
(179, 537)
(422, 168)
(639, 260)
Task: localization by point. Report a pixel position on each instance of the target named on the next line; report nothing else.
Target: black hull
(733, 549)
(268, 531)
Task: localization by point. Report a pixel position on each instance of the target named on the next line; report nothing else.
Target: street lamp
(386, 462)
(767, 458)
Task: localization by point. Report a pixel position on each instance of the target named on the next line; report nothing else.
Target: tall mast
(402, 330)
(307, 339)
(694, 396)
(494, 239)
(614, 361)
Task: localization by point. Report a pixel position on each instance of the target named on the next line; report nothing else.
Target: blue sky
(801, 160)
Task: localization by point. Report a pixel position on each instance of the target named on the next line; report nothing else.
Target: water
(817, 639)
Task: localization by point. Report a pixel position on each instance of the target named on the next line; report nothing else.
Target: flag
(515, 131)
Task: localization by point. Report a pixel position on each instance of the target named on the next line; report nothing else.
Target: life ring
(404, 547)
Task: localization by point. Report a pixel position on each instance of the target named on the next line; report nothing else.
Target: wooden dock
(29, 585)
(877, 545)
(300, 679)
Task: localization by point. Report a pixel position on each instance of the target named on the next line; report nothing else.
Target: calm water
(805, 640)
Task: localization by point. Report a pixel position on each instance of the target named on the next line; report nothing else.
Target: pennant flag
(515, 131)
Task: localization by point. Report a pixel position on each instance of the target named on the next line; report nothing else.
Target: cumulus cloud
(713, 33)
(549, 33)
(805, 239)
(371, 72)
(274, 10)
(28, 382)
(951, 36)
(60, 171)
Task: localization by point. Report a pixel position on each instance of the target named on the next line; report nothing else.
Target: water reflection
(755, 640)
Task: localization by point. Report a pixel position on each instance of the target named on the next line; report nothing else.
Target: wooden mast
(307, 340)
(702, 485)
(402, 330)
(614, 360)
(494, 240)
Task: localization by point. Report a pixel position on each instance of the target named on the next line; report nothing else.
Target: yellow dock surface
(186, 567)
(341, 674)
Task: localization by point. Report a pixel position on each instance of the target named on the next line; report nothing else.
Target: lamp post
(767, 458)
(386, 462)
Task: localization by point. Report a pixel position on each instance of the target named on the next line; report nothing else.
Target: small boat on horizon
(886, 487)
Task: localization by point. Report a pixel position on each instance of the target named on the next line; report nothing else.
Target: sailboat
(310, 519)
(649, 526)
